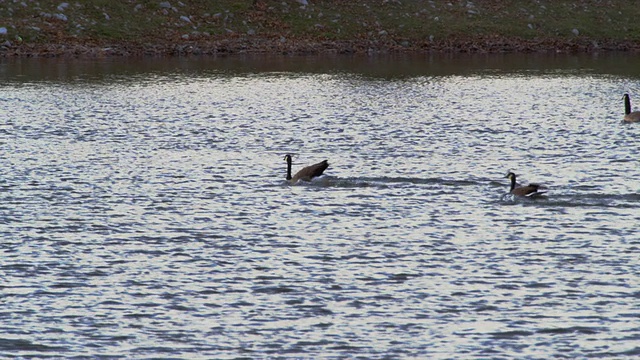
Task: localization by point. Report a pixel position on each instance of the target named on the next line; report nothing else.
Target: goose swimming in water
(630, 116)
(529, 190)
(306, 173)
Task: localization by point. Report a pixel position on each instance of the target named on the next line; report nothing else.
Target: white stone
(3, 30)
(575, 32)
(185, 19)
(63, 6)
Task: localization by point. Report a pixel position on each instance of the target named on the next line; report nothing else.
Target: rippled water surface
(144, 211)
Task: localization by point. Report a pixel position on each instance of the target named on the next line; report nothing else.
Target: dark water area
(145, 213)
(390, 66)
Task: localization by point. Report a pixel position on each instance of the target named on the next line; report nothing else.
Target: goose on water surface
(529, 190)
(306, 173)
(630, 116)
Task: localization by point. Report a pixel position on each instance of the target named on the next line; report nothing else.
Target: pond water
(145, 213)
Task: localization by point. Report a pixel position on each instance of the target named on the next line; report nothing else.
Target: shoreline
(50, 28)
(302, 47)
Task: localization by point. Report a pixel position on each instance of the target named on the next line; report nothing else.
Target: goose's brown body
(630, 116)
(529, 190)
(306, 173)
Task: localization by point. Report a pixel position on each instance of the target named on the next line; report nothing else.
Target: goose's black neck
(627, 104)
(513, 181)
(288, 167)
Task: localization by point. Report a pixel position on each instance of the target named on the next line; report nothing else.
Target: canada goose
(306, 173)
(529, 190)
(630, 116)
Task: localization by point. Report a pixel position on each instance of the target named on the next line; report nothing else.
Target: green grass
(144, 21)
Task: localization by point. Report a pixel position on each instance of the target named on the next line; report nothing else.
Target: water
(145, 212)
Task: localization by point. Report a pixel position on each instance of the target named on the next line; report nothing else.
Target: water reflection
(145, 212)
(382, 67)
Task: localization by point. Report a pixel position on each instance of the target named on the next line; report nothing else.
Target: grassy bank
(105, 27)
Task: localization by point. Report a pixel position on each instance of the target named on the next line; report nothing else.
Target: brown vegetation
(97, 28)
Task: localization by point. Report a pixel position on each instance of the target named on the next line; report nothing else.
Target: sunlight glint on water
(145, 212)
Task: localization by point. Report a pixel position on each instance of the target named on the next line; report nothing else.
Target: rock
(185, 19)
(61, 17)
(165, 5)
(303, 2)
(63, 6)
(3, 30)
(575, 32)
